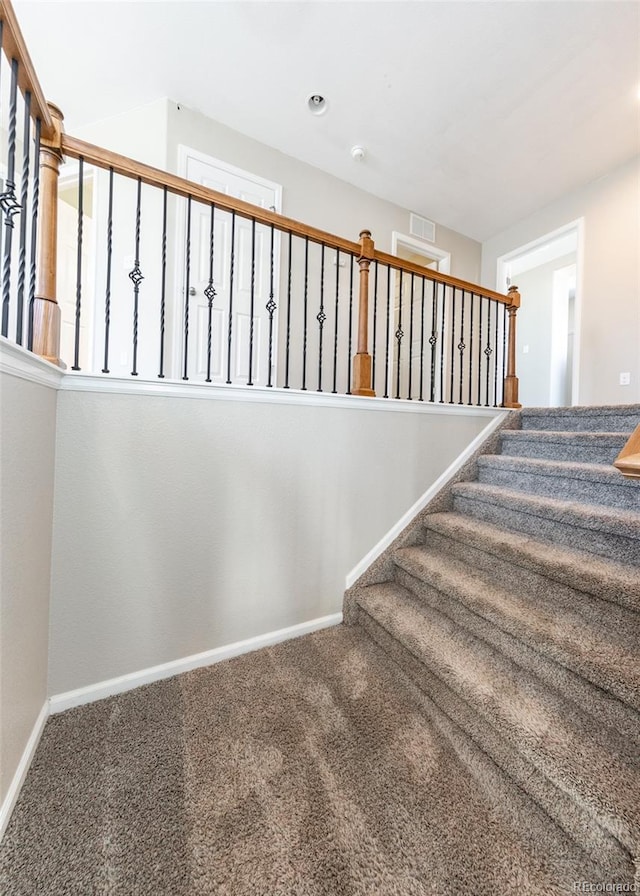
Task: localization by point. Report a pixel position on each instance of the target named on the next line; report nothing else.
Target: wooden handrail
(14, 46)
(628, 461)
(180, 186)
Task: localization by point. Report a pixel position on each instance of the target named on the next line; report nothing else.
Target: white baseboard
(23, 767)
(422, 501)
(102, 689)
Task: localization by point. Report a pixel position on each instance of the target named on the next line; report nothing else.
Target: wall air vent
(422, 228)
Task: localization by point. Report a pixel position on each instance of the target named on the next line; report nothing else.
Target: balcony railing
(161, 277)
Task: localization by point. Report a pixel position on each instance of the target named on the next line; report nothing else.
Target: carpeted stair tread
(586, 482)
(564, 635)
(614, 418)
(566, 745)
(614, 582)
(596, 529)
(586, 447)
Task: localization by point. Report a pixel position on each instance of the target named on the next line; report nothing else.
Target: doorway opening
(547, 272)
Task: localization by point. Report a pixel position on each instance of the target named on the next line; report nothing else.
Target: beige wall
(185, 524)
(28, 412)
(609, 339)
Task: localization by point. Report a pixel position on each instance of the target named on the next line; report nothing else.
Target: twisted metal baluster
(163, 283)
(271, 307)
(231, 267)
(461, 348)
(399, 335)
(252, 293)
(488, 351)
(335, 329)
(350, 338)
(409, 396)
(387, 336)
(210, 292)
(471, 349)
(422, 340)
(433, 339)
(107, 295)
(22, 257)
(8, 202)
(288, 336)
(136, 278)
(453, 339)
(321, 318)
(76, 351)
(306, 295)
(35, 203)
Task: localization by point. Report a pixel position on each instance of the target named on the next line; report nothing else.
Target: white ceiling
(472, 113)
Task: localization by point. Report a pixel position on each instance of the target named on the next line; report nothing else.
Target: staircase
(516, 612)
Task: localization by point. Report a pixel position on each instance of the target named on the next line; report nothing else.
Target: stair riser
(571, 816)
(620, 422)
(604, 544)
(598, 702)
(625, 496)
(581, 454)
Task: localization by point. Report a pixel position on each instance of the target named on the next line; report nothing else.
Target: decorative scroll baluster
(488, 352)
(306, 302)
(107, 294)
(461, 348)
(422, 341)
(387, 341)
(231, 267)
(252, 299)
(136, 278)
(271, 307)
(410, 396)
(335, 328)
(209, 291)
(35, 202)
(375, 325)
(511, 380)
(433, 339)
(350, 325)
(453, 340)
(321, 318)
(22, 257)
(399, 334)
(163, 282)
(76, 350)
(288, 337)
(8, 201)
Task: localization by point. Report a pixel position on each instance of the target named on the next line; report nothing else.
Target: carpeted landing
(311, 767)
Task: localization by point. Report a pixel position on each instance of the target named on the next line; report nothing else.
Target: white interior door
(225, 334)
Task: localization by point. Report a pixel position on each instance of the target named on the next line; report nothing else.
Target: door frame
(185, 153)
(538, 246)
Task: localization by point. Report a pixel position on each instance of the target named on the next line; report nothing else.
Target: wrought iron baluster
(433, 339)
(136, 278)
(35, 202)
(335, 328)
(453, 341)
(442, 324)
(480, 344)
(231, 267)
(271, 307)
(375, 325)
(76, 351)
(350, 325)
(321, 318)
(410, 396)
(22, 255)
(387, 336)
(488, 352)
(504, 350)
(422, 341)
(252, 299)
(471, 319)
(399, 335)
(8, 201)
(495, 360)
(163, 284)
(209, 291)
(461, 348)
(107, 292)
(306, 302)
(288, 338)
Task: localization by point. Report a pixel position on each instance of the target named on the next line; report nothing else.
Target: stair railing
(628, 461)
(188, 283)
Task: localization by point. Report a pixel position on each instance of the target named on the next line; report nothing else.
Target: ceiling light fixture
(317, 104)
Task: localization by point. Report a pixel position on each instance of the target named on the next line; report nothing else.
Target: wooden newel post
(511, 380)
(46, 311)
(362, 384)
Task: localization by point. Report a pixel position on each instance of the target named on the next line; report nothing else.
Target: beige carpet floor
(308, 768)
